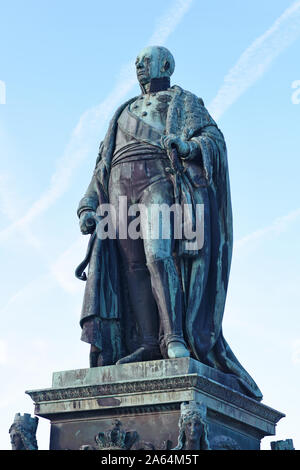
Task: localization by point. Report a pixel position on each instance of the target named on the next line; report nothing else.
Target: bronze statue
(159, 297)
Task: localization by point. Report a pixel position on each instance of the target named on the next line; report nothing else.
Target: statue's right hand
(87, 222)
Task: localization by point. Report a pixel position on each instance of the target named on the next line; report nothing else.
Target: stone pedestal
(146, 398)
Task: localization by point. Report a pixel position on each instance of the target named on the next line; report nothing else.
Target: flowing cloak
(107, 320)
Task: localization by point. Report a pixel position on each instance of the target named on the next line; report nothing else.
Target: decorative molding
(117, 388)
(235, 398)
(110, 392)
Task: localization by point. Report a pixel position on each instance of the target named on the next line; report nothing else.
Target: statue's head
(193, 428)
(16, 439)
(154, 62)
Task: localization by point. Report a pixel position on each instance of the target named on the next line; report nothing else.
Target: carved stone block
(147, 397)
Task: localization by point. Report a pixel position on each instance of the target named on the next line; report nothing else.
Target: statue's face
(16, 440)
(193, 430)
(150, 63)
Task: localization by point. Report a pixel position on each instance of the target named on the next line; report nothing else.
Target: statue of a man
(154, 297)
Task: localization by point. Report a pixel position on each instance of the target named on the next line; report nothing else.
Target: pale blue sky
(67, 65)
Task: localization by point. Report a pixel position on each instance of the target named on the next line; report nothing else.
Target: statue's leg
(147, 183)
(137, 275)
(145, 312)
(103, 342)
(94, 355)
(166, 287)
(161, 262)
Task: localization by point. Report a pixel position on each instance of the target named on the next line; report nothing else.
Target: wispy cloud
(63, 267)
(279, 225)
(252, 64)
(11, 206)
(257, 59)
(85, 137)
(83, 141)
(3, 352)
(31, 290)
(295, 356)
(167, 23)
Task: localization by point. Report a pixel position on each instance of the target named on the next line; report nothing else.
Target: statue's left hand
(87, 222)
(173, 140)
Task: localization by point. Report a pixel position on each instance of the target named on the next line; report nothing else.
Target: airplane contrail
(278, 225)
(257, 59)
(285, 30)
(86, 135)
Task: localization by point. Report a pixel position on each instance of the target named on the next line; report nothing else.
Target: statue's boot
(94, 356)
(98, 358)
(144, 353)
(177, 349)
(167, 290)
(145, 311)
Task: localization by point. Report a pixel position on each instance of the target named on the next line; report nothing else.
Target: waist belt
(134, 157)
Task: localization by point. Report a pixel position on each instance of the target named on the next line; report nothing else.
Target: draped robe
(106, 319)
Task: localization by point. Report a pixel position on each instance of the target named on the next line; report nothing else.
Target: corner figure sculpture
(23, 432)
(193, 430)
(286, 444)
(150, 297)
